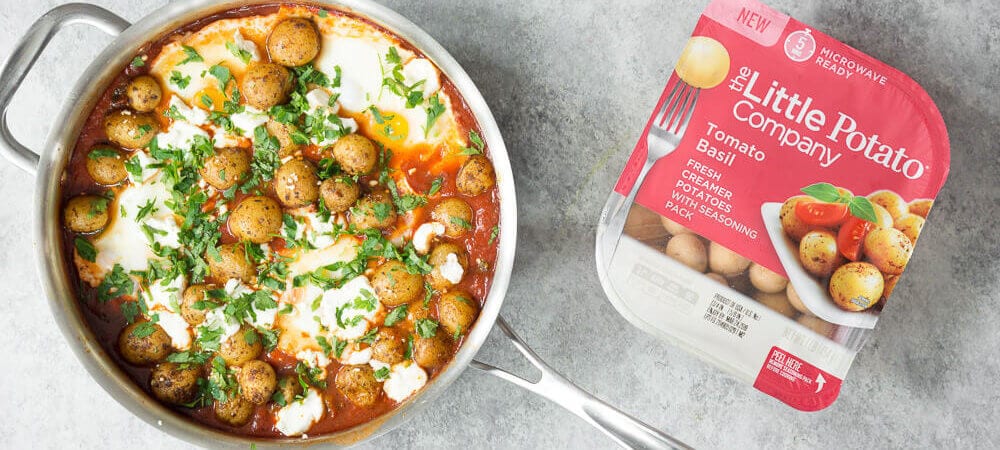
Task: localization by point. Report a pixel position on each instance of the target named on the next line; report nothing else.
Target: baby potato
(283, 132)
(476, 176)
(388, 347)
(456, 216)
(288, 388)
(296, 183)
(355, 154)
(231, 263)
(725, 261)
(765, 280)
(226, 167)
(143, 348)
(777, 302)
(795, 300)
(911, 225)
(358, 384)
(266, 85)
(193, 294)
(257, 381)
(921, 207)
(242, 346)
(374, 210)
(175, 384)
(794, 227)
(643, 224)
(394, 285)
(688, 250)
(256, 219)
(433, 351)
(86, 214)
(293, 42)
(888, 249)
(131, 130)
(235, 411)
(891, 201)
(339, 193)
(106, 166)
(457, 310)
(818, 253)
(674, 228)
(820, 326)
(438, 257)
(883, 216)
(417, 311)
(856, 286)
(144, 93)
(717, 278)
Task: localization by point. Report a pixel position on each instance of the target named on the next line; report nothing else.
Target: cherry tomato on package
(821, 214)
(850, 237)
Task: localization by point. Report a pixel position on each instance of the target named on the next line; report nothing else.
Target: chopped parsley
(460, 222)
(222, 74)
(146, 329)
(138, 61)
(180, 80)
(426, 328)
(435, 186)
(145, 210)
(238, 52)
(102, 152)
(394, 316)
(191, 55)
(85, 249)
(382, 374)
(434, 110)
(494, 232)
(115, 284)
(477, 145)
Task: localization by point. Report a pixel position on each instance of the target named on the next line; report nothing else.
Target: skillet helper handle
(626, 430)
(25, 54)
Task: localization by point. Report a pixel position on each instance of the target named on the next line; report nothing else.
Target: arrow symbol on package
(820, 381)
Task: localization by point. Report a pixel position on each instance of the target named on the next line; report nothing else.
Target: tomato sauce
(106, 320)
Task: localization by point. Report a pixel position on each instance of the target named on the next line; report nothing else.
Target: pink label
(794, 381)
(752, 19)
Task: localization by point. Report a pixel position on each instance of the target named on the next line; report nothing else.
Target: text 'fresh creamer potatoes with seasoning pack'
(788, 179)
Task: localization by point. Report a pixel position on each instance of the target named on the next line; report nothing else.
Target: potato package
(781, 184)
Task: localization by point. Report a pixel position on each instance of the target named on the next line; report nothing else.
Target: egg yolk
(388, 128)
(210, 99)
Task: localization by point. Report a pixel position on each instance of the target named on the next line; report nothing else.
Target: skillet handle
(626, 430)
(25, 54)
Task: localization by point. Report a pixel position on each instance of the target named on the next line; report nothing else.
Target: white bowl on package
(812, 292)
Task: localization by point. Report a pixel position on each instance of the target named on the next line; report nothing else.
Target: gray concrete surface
(571, 84)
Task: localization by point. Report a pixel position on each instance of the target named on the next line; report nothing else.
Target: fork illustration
(663, 138)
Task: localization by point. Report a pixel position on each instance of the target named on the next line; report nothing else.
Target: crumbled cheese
(195, 116)
(452, 270)
(404, 379)
(298, 416)
(248, 120)
(343, 299)
(425, 234)
(246, 45)
(355, 357)
(216, 319)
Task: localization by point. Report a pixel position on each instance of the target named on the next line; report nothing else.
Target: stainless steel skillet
(48, 167)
